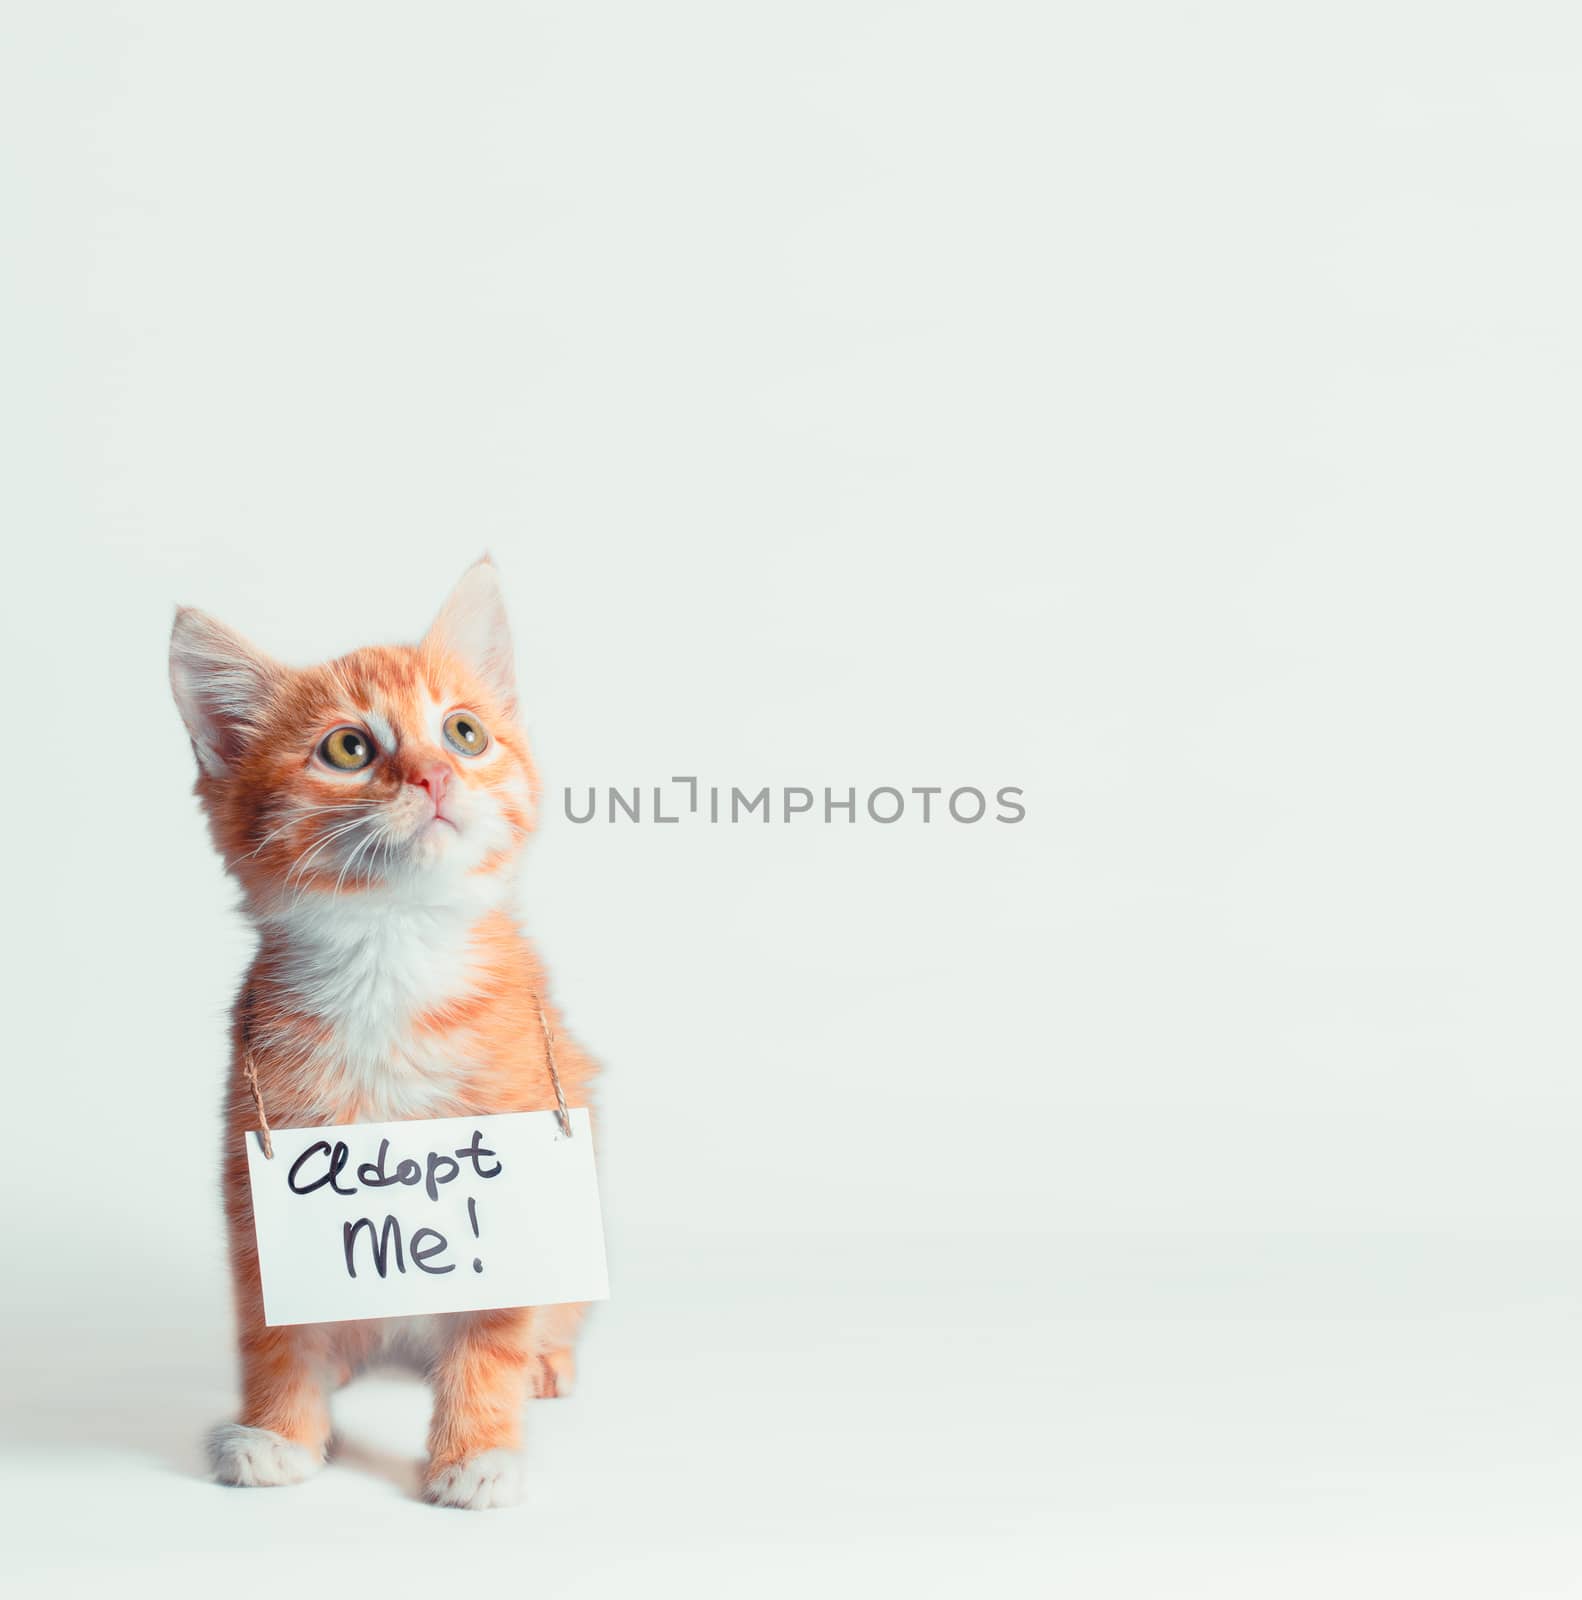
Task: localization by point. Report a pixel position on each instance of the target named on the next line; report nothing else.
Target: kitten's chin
(436, 840)
(441, 848)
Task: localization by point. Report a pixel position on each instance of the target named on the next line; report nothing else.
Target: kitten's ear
(221, 684)
(471, 626)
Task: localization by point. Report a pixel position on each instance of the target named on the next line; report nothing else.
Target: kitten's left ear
(471, 625)
(222, 685)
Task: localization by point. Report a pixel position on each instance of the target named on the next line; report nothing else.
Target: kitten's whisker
(292, 821)
(329, 838)
(351, 858)
(305, 860)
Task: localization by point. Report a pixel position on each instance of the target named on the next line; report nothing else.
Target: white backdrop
(1170, 412)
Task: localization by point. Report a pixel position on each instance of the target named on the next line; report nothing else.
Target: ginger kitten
(373, 811)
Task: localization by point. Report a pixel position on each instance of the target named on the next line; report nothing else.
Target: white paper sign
(394, 1219)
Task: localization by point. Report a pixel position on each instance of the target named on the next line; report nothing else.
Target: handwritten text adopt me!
(386, 1219)
(323, 1163)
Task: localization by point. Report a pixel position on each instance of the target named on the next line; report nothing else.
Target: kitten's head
(396, 766)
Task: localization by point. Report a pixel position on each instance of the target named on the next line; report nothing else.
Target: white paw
(258, 1458)
(491, 1479)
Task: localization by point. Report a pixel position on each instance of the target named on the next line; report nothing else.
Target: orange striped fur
(390, 981)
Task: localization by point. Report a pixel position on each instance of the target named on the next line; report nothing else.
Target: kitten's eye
(347, 750)
(464, 732)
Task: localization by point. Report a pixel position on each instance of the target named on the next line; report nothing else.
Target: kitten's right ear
(471, 625)
(221, 684)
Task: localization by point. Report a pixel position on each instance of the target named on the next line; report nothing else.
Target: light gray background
(1172, 410)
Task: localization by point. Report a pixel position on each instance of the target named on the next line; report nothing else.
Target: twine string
(250, 1072)
(563, 1116)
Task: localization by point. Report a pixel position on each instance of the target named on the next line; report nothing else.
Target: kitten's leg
(555, 1329)
(285, 1421)
(481, 1382)
(555, 1373)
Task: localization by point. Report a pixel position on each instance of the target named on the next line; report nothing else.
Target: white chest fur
(368, 968)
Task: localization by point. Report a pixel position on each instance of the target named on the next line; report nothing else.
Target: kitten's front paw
(258, 1458)
(493, 1478)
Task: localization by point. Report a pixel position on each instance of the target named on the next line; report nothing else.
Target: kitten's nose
(434, 778)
